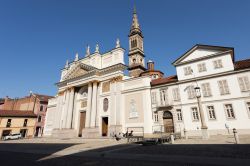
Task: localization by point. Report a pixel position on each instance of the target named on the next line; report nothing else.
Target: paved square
(218, 150)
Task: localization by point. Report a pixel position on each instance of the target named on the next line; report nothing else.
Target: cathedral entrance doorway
(168, 122)
(105, 126)
(82, 122)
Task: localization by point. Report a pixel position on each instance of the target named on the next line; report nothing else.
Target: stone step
(64, 133)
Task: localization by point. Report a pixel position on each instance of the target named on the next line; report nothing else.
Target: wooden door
(168, 125)
(104, 126)
(168, 122)
(82, 122)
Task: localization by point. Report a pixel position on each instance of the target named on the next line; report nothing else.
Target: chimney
(6, 99)
(150, 65)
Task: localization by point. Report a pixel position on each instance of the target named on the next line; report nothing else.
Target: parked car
(13, 136)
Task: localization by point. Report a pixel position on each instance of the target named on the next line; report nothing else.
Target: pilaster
(93, 107)
(88, 113)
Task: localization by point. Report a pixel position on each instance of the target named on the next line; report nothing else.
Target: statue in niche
(105, 104)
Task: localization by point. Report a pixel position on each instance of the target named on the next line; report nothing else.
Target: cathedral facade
(95, 98)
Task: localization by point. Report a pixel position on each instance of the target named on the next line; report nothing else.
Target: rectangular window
(202, 67)
(41, 107)
(176, 94)
(248, 107)
(217, 64)
(8, 123)
(188, 70)
(223, 86)
(211, 112)
(163, 96)
(153, 97)
(179, 114)
(244, 83)
(195, 114)
(229, 111)
(25, 122)
(156, 119)
(191, 92)
(206, 90)
(39, 119)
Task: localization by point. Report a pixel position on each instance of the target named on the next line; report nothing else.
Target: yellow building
(13, 122)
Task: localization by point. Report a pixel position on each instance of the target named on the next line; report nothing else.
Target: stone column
(93, 109)
(70, 108)
(88, 112)
(65, 110)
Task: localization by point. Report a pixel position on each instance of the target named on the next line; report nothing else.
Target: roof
(15, 113)
(148, 71)
(43, 97)
(242, 64)
(165, 80)
(202, 46)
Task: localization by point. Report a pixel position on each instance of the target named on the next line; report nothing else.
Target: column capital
(116, 79)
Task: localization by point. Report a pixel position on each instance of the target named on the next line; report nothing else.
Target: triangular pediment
(79, 69)
(200, 52)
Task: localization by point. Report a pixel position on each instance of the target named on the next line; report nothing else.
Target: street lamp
(205, 134)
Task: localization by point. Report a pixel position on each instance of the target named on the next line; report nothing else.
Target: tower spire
(136, 54)
(135, 26)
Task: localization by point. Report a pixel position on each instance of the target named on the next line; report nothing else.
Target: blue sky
(38, 36)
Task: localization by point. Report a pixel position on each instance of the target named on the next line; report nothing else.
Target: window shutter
(209, 90)
(203, 88)
(241, 83)
(199, 67)
(215, 64)
(226, 87)
(247, 83)
(220, 87)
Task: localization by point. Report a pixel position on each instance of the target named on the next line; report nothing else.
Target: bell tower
(136, 53)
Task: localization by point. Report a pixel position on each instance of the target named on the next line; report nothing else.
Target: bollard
(236, 137)
(172, 138)
(185, 133)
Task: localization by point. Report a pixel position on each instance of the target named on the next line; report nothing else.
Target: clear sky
(38, 36)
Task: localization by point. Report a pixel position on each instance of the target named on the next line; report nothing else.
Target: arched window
(134, 60)
(105, 104)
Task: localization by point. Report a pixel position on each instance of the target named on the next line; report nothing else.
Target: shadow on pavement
(127, 154)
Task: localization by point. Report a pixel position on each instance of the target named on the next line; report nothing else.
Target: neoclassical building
(95, 97)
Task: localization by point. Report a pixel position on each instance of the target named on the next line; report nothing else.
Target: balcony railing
(166, 103)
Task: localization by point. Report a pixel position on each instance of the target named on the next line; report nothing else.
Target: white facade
(108, 101)
(215, 98)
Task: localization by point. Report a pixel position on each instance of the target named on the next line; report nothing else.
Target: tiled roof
(242, 64)
(14, 113)
(165, 80)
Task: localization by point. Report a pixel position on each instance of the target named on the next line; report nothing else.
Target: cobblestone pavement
(218, 150)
